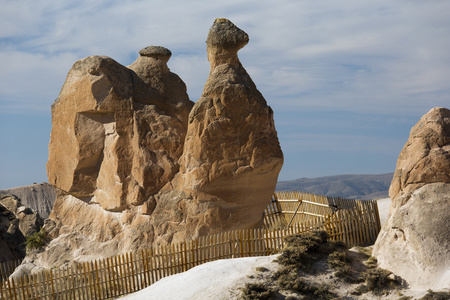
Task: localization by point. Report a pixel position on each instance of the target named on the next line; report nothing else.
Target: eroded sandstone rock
(415, 241)
(231, 156)
(135, 166)
(118, 132)
(425, 158)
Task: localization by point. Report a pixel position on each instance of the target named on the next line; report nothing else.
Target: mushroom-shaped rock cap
(224, 34)
(156, 52)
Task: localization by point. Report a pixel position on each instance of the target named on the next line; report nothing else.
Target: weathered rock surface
(425, 158)
(38, 197)
(118, 132)
(16, 223)
(415, 241)
(231, 156)
(135, 163)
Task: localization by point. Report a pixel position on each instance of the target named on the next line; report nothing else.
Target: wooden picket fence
(355, 222)
(6, 268)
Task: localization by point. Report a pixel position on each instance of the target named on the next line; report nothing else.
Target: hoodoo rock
(135, 163)
(117, 136)
(415, 241)
(231, 156)
(118, 132)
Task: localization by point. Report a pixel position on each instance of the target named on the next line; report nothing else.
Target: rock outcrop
(135, 163)
(16, 223)
(415, 241)
(118, 132)
(231, 157)
(39, 197)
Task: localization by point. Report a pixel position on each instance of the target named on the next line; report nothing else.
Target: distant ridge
(344, 186)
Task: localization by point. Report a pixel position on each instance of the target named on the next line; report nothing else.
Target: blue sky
(346, 79)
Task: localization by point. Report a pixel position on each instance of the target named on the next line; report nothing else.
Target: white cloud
(385, 57)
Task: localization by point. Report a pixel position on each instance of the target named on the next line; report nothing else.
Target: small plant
(432, 295)
(262, 269)
(378, 280)
(364, 251)
(372, 262)
(37, 240)
(255, 291)
(301, 249)
(339, 261)
(292, 282)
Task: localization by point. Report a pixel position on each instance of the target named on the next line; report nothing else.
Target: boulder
(415, 241)
(425, 157)
(231, 156)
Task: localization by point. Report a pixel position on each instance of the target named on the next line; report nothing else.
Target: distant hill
(345, 186)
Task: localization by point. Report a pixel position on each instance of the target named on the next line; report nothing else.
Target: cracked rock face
(415, 241)
(118, 132)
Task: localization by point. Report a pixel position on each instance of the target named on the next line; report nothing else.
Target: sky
(346, 79)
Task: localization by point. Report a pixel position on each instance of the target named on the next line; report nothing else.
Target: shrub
(301, 249)
(262, 269)
(378, 280)
(372, 262)
(256, 291)
(37, 240)
(294, 283)
(431, 295)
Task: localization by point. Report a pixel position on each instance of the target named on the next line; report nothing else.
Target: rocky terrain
(345, 186)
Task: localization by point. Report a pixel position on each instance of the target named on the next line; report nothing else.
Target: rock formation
(118, 132)
(38, 197)
(136, 164)
(415, 241)
(231, 157)
(16, 223)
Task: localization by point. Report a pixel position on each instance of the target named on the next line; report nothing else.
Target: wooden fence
(357, 221)
(6, 268)
(112, 277)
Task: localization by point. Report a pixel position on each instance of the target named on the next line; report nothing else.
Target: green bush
(37, 240)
